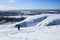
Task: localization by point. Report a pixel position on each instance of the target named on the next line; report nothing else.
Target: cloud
(11, 1)
(3, 7)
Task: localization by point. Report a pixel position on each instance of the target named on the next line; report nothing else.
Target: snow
(48, 20)
(37, 32)
(32, 21)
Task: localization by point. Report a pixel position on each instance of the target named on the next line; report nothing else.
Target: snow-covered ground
(38, 31)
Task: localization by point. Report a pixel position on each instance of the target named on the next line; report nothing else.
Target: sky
(29, 4)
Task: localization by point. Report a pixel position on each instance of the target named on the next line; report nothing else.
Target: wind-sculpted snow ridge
(48, 20)
(34, 20)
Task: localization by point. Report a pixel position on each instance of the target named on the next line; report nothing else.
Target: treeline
(6, 20)
(8, 13)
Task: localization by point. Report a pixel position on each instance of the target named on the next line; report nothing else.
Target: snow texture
(38, 30)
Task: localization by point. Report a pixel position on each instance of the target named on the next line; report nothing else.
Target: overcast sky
(29, 4)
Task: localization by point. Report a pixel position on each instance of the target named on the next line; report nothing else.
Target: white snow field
(38, 27)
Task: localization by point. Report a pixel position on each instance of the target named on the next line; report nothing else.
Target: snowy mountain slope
(48, 20)
(33, 20)
(40, 31)
(30, 19)
(30, 33)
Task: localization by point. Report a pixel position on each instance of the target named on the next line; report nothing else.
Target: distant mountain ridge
(28, 12)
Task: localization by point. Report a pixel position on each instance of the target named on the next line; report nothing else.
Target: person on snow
(18, 26)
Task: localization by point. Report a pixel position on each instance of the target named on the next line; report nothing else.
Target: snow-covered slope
(30, 33)
(48, 20)
(39, 31)
(33, 20)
